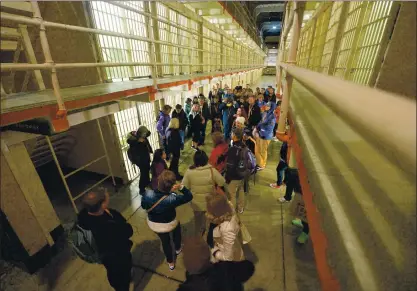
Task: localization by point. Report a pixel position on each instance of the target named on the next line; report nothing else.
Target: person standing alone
(111, 234)
(139, 153)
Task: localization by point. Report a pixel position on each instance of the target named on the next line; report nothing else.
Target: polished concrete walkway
(280, 263)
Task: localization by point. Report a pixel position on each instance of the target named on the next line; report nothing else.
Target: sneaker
(241, 210)
(274, 185)
(302, 238)
(283, 200)
(297, 222)
(171, 266)
(259, 168)
(179, 251)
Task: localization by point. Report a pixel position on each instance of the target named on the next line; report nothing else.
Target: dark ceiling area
(268, 16)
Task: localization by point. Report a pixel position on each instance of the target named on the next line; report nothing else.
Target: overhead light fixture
(274, 27)
(273, 47)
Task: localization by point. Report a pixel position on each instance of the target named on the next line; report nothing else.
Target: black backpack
(241, 162)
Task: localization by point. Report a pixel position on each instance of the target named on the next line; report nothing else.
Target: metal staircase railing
(63, 144)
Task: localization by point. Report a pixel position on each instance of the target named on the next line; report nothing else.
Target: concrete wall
(18, 212)
(66, 46)
(89, 147)
(398, 72)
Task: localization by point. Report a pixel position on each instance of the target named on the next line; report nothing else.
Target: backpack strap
(157, 203)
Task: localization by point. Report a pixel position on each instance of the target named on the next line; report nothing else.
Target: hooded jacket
(162, 124)
(165, 211)
(141, 151)
(111, 232)
(267, 123)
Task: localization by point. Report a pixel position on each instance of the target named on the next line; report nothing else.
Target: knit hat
(238, 132)
(196, 255)
(143, 131)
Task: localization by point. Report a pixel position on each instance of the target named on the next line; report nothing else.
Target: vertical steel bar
(64, 181)
(105, 151)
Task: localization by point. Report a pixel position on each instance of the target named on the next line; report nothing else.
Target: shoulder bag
(217, 188)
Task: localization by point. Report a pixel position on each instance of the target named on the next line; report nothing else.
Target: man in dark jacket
(183, 119)
(202, 275)
(205, 114)
(111, 233)
(254, 113)
(139, 154)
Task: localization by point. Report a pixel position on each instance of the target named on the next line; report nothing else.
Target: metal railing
(253, 62)
(387, 121)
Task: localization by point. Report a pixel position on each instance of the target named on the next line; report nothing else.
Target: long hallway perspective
(80, 78)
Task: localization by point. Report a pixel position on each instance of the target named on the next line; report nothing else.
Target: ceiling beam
(266, 8)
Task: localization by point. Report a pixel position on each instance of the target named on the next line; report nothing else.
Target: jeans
(174, 164)
(166, 242)
(119, 270)
(200, 222)
(293, 183)
(144, 179)
(306, 229)
(280, 171)
(163, 144)
(203, 133)
(182, 134)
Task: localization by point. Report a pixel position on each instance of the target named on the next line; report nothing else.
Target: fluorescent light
(274, 27)
(273, 47)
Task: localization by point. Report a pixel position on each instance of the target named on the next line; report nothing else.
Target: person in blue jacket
(160, 205)
(265, 133)
(228, 109)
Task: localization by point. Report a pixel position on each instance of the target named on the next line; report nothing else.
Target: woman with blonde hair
(227, 245)
(174, 143)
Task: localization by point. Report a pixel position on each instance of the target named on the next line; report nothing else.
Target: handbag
(217, 189)
(244, 233)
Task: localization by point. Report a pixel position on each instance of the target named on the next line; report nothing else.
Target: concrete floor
(280, 263)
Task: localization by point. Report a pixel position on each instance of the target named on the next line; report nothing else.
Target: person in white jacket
(201, 178)
(227, 245)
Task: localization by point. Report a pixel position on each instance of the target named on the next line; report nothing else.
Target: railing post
(296, 27)
(62, 112)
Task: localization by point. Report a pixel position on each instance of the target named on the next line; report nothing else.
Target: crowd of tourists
(243, 123)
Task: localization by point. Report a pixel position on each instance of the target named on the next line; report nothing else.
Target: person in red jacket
(218, 155)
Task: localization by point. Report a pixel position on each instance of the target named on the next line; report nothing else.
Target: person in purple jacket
(162, 126)
(158, 166)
